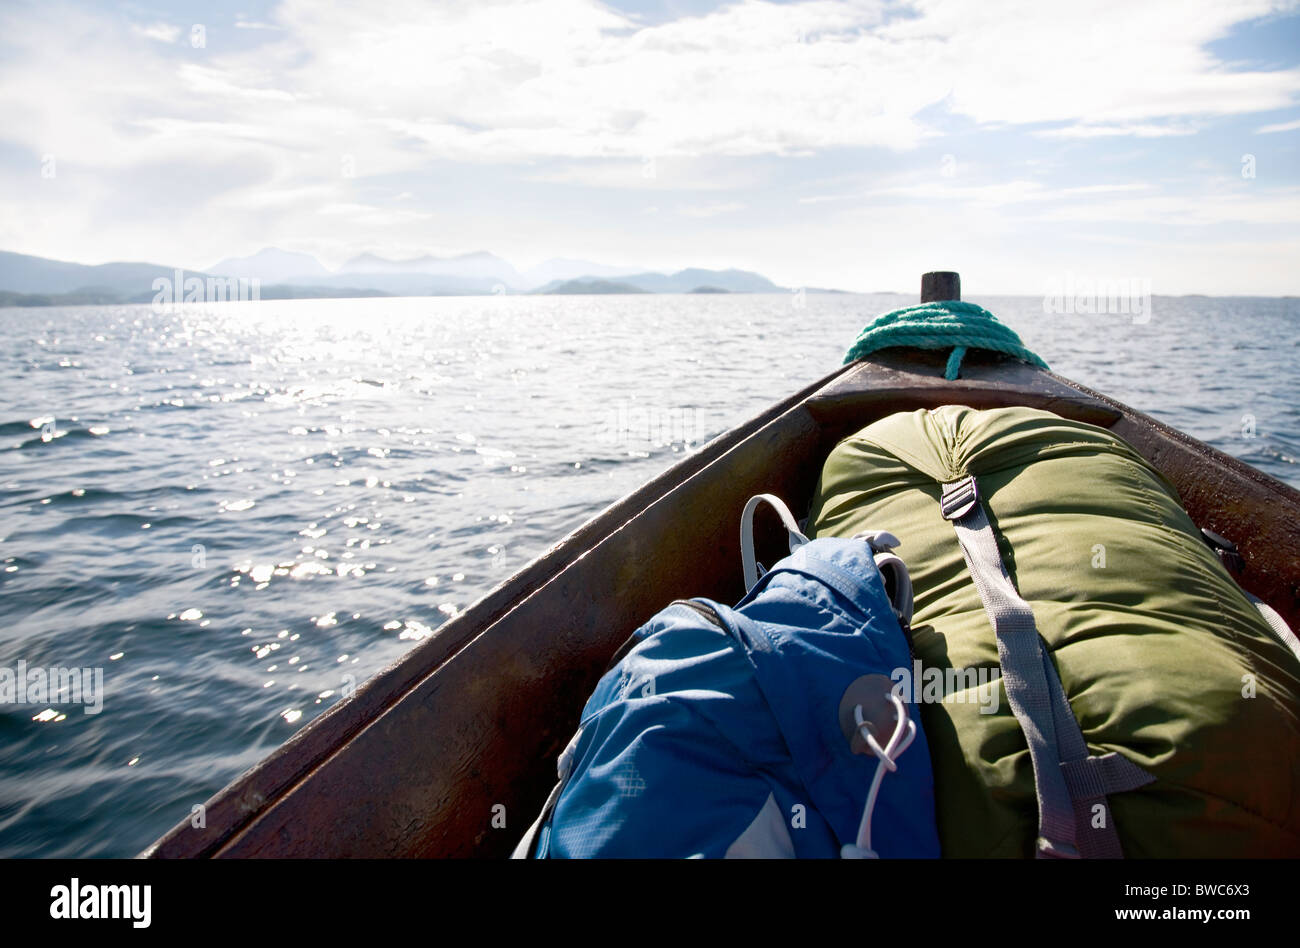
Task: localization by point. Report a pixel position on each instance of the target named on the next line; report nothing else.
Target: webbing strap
(1089, 778)
(526, 848)
(749, 564)
(1234, 564)
(1063, 768)
(1094, 777)
(1275, 622)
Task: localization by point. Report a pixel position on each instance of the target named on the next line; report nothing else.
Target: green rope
(952, 323)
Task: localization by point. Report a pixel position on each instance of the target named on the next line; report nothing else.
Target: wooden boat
(451, 751)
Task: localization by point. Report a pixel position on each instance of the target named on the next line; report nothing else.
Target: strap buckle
(1051, 849)
(959, 498)
(1226, 550)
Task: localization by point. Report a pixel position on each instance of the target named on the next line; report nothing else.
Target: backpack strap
(536, 840)
(527, 847)
(1275, 622)
(1069, 782)
(752, 568)
(540, 831)
(898, 583)
(1235, 564)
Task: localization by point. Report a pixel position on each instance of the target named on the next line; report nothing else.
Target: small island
(579, 287)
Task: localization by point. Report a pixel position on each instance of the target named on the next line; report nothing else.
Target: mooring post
(939, 286)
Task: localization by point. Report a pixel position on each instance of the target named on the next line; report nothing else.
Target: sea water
(237, 513)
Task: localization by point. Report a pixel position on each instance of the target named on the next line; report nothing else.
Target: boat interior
(452, 751)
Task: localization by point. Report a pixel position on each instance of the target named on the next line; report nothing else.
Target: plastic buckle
(1050, 849)
(1226, 550)
(959, 498)
(880, 541)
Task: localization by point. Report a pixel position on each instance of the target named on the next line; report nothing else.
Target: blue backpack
(764, 730)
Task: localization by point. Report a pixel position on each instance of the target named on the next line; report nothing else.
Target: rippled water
(239, 511)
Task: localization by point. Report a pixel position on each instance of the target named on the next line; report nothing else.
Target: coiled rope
(941, 325)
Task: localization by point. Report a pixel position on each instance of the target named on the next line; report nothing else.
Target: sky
(839, 144)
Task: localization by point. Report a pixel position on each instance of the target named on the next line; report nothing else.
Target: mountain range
(27, 280)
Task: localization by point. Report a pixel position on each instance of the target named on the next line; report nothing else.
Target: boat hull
(451, 751)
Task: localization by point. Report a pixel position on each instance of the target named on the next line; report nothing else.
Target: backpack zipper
(708, 612)
(631, 643)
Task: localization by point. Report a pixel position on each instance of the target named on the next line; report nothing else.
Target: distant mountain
(272, 265)
(480, 267)
(36, 281)
(418, 284)
(590, 287)
(21, 273)
(561, 268)
(285, 291)
(371, 263)
(90, 296)
(684, 281)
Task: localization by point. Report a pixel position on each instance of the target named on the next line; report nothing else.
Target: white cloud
(1133, 130)
(1280, 127)
(1188, 202)
(650, 173)
(514, 80)
(711, 210)
(1101, 63)
(933, 188)
(1240, 205)
(268, 115)
(1104, 188)
(162, 32)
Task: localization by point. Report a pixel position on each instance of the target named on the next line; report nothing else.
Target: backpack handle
(893, 571)
(747, 560)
